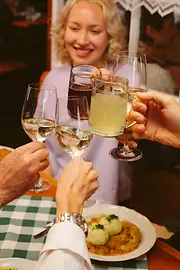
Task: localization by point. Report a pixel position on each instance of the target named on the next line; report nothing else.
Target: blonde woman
(90, 32)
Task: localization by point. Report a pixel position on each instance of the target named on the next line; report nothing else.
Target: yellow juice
(108, 114)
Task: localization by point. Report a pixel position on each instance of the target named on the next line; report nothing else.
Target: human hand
(77, 183)
(19, 170)
(105, 73)
(101, 73)
(157, 117)
(127, 138)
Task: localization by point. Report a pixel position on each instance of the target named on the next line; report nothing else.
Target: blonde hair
(115, 30)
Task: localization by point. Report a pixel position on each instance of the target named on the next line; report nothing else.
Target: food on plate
(7, 268)
(112, 224)
(125, 241)
(97, 234)
(4, 152)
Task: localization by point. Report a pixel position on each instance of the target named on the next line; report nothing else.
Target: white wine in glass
(38, 118)
(74, 141)
(38, 129)
(72, 129)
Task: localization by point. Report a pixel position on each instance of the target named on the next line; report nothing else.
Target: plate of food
(16, 264)
(4, 151)
(116, 233)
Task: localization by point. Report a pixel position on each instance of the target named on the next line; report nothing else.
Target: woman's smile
(82, 52)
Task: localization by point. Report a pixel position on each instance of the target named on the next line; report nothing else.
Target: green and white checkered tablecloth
(26, 216)
(19, 221)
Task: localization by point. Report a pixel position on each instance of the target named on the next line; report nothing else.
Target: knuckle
(40, 144)
(97, 184)
(79, 160)
(96, 174)
(89, 165)
(45, 152)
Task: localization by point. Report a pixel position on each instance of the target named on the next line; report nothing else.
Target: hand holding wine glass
(38, 119)
(72, 128)
(157, 118)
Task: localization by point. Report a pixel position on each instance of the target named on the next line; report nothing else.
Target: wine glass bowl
(72, 129)
(38, 117)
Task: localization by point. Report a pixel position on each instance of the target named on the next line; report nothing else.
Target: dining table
(30, 213)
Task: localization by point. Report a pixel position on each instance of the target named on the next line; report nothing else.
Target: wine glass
(133, 66)
(72, 128)
(109, 106)
(81, 81)
(38, 117)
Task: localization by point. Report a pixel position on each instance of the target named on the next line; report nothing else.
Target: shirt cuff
(67, 236)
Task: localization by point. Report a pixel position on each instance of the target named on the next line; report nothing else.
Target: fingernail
(134, 145)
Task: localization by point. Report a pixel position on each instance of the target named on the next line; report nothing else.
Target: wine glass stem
(126, 147)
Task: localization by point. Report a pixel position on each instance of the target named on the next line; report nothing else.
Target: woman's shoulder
(59, 71)
(58, 76)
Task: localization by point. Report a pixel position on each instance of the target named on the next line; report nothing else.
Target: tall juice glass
(108, 106)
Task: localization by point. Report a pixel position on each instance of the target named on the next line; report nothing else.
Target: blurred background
(23, 57)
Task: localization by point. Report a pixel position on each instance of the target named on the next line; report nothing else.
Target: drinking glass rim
(79, 75)
(133, 51)
(113, 83)
(83, 66)
(39, 86)
(73, 98)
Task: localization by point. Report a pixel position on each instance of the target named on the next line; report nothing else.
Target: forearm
(70, 203)
(6, 194)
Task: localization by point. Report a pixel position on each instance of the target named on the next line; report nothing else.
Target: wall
(56, 7)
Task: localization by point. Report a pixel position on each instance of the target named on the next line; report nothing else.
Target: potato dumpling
(112, 224)
(97, 234)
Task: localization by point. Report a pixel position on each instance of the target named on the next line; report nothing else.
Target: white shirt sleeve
(65, 249)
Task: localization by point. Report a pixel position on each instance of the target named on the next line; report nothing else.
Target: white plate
(20, 264)
(148, 233)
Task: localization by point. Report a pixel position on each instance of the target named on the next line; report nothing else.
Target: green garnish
(111, 217)
(98, 227)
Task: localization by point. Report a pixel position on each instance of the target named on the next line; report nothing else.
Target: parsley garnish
(111, 217)
(98, 227)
